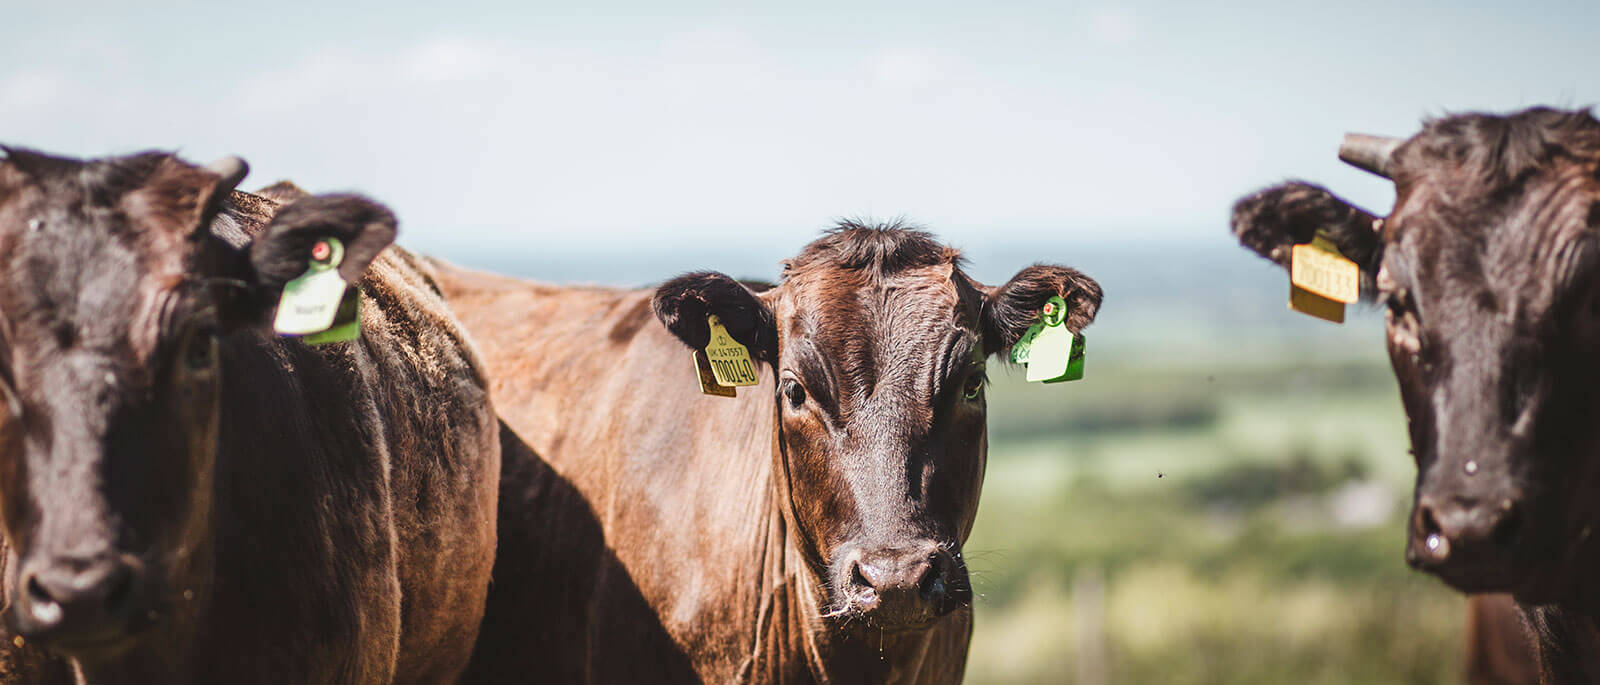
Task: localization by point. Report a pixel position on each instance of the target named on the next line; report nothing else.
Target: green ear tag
(313, 302)
(1051, 352)
(346, 323)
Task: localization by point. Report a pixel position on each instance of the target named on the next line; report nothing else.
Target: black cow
(190, 498)
(1489, 271)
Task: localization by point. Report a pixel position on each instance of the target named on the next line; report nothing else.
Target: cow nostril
(931, 584)
(863, 586)
(1434, 541)
(36, 592)
(44, 609)
(1510, 524)
(119, 590)
(1429, 525)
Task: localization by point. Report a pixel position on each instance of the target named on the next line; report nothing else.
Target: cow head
(1489, 271)
(878, 342)
(119, 311)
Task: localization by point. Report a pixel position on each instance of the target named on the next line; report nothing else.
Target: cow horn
(232, 170)
(1368, 153)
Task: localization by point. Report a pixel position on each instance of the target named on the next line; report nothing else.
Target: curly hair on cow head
(877, 249)
(1501, 151)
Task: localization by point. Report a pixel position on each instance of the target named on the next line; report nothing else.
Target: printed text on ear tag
(1051, 352)
(1322, 281)
(311, 303)
(708, 380)
(730, 360)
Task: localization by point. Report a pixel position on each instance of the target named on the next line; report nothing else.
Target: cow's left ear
(1272, 221)
(283, 250)
(1008, 310)
(683, 303)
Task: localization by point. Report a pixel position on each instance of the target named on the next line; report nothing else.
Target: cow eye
(201, 350)
(794, 393)
(974, 386)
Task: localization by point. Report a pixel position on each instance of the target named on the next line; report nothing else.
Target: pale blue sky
(515, 125)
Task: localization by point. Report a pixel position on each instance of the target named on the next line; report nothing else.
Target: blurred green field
(1236, 510)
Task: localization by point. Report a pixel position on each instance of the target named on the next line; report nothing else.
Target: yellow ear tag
(730, 360)
(1322, 281)
(708, 380)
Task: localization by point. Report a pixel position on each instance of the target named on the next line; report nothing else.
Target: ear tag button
(1051, 352)
(1322, 281)
(729, 359)
(316, 304)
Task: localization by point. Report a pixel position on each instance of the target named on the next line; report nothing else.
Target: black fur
(365, 227)
(1009, 310)
(1272, 221)
(683, 303)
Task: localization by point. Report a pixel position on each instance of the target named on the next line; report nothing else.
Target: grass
(1245, 517)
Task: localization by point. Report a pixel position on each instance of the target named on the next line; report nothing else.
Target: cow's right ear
(283, 250)
(683, 303)
(1273, 221)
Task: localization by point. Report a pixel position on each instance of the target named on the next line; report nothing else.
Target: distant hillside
(1202, 297)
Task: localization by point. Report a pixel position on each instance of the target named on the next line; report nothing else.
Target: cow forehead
(894, 329)
(1526, 248)
(845, 303)
(77, 275)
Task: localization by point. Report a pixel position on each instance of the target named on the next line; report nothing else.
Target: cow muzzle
(1468, 541)
(900, 588)
(78, 605)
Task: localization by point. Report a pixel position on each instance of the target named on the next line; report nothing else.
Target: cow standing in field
(807, 531)
(1489, 271)
(190, 498)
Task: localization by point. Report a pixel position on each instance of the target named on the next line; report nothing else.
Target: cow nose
(1464, 530)
(84, 598)
(907, 586)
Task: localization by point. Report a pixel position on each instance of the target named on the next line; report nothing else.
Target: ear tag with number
(708, 380)
(1051, 352)
(729, 359)
(316, 305)
(1322, 281)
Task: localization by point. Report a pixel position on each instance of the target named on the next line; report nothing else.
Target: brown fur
(672, 537)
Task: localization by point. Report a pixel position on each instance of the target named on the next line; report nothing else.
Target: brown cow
(1489, 269)
(1499, 648)
(807, 531)
(194, 499)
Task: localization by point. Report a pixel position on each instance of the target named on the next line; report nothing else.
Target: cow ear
(683, 303)
(1273, 221)
(283, 251)
(1008, 310)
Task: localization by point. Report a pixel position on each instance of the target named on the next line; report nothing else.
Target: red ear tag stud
(321, 251)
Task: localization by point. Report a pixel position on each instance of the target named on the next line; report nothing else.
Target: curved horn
(1368, 153)
(232, 170)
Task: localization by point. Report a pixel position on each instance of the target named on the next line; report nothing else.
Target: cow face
(878, 343)
(119, 309)
(1489, 272)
